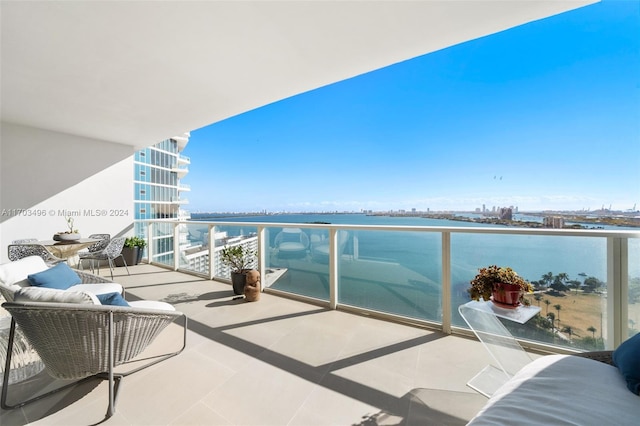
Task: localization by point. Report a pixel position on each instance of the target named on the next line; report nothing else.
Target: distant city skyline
(544, 116)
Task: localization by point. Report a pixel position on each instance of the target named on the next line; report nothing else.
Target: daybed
(79, 329)
(570, 390)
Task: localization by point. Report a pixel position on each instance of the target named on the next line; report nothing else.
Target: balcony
(179, 200)
(183, 159)
(182, 141)
(181, 171)
(314, 357)
(276, 361)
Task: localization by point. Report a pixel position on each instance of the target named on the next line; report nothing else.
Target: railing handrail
(601, 233)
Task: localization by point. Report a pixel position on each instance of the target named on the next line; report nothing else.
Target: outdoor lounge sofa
(80, 332)
(594, 388)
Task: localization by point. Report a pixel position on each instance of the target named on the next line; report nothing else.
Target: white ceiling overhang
(137, 72)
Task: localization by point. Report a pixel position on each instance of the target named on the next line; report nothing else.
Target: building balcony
(184, 187)
(179, 200)
(181, 141)
(183, 159)
(325, 344)
(181, 171)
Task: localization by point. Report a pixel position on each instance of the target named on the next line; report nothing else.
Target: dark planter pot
(132, 255)
(238, 281)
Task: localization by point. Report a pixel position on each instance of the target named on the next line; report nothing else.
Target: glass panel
(634, 286)
(194, 247)
(392, 272)
(297, 261)
(568, 273)
(162, 240)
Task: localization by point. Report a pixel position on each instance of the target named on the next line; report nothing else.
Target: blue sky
(542, 116)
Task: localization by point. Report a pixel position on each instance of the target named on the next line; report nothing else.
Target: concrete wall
(47, 176)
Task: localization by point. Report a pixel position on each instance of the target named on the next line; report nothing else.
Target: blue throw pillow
(627, 359)
(114, 299)
(60, 277)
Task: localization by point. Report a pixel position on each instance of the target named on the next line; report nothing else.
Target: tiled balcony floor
(273, 362)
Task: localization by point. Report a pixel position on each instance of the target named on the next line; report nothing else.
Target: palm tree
(559, 282)
(552, 317)
(558, 307)
(575, 284)
(547, 278)
(547, 302)
(569, 330)
(593, 330)
(538, 298)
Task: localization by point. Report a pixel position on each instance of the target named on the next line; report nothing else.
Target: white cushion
(43, 294)
(562, 389)
(97, 288)
(152, 304)
(13, 272)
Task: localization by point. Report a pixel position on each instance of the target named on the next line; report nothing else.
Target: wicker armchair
(81, 341)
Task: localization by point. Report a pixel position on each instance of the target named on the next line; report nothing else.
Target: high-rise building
(158, 192)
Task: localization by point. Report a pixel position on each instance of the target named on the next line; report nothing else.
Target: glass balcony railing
(587, 281)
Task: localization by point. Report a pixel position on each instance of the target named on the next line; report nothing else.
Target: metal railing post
(150, 231)
(617, 290)
(262, 250)
(176, 246)
(446, 283)
(333, 268)
(212, 250)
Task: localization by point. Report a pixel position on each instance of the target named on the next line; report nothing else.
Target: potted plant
(239, 259)
(71, 235)
(132, 251)
(502, 285)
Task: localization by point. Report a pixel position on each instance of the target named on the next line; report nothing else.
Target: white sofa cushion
(562, 390)
(44, 294)
(152, 304)
(14, 274)
(97, 288)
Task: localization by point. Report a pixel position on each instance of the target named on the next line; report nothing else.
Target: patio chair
(292, 242)
(84, 341)
(112, 251)
(19, 251)
(100, 245)
(320, 250)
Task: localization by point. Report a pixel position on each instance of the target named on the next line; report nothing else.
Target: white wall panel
(45, 176)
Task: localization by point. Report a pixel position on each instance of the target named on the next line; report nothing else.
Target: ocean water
(530, 256)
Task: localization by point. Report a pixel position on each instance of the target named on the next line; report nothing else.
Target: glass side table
(507, 354)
